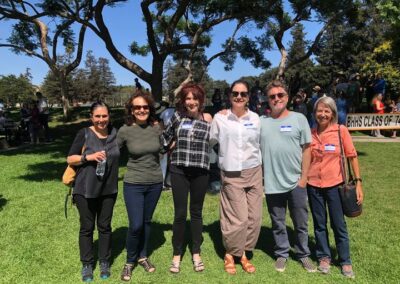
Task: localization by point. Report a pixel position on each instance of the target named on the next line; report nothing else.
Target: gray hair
(329, 102)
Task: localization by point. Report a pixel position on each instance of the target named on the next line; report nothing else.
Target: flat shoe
(147, 265)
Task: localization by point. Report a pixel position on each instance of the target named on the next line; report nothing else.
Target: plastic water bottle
(101, 168)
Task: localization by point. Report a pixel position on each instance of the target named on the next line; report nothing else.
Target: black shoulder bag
(347, 190)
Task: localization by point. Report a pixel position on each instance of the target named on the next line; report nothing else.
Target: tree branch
(79, 52)
(150, 29)
(57, 34)
(104, 34)
(27, 51)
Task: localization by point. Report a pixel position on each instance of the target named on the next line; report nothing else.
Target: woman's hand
(97, 156)
(360, 193)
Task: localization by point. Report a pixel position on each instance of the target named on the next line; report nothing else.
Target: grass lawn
(38, 245)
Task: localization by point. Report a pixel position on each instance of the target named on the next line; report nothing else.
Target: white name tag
(286, 128)
(249, 125)
(330, 148)
(187, 125)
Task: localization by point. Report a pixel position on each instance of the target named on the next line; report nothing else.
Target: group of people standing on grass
(276, 156)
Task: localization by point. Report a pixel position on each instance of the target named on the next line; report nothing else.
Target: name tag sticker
(249, 125)
(330, 148)
(286, 128)
(186, 125)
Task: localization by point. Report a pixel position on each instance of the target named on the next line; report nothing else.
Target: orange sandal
(247, 266)
(229, 264)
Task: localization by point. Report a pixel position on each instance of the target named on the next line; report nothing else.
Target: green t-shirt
(281, 149)
(143, 144)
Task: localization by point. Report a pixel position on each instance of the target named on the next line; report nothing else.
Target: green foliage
(24, 34)
(15, 89)
(300, 75)
(390, 10)
(139, 50)
(382, 61)
(94, 82)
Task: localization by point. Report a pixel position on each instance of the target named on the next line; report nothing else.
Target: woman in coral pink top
(323, 180)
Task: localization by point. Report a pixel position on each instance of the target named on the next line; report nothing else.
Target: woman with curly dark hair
(187, 136)
(143, 179)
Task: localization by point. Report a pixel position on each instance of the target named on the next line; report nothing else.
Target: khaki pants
(241, 209)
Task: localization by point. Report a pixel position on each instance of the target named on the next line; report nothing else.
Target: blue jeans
(140, 201)
(320, 199)
(296, 201)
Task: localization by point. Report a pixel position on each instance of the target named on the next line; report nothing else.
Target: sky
(126, 25)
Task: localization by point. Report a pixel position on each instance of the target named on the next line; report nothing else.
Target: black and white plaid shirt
(191, 138)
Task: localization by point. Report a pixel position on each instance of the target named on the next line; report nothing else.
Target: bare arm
(76, 160)
(305, 165)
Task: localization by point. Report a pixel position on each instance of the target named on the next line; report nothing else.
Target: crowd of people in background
(33, 125)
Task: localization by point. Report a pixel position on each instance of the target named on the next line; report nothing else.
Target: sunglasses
(279, 95)
(138, 107)
(242, 94)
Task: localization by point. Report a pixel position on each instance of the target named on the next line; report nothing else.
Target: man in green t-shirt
(285, 148)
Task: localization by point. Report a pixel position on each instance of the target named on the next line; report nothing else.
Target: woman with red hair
(187, 136)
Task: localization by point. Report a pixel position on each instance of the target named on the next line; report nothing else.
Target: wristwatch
(358, 179)
(83, 158)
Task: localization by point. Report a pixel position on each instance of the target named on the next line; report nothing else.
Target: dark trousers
(91, 210)
(296, 200)
(320, 200)
(140, 201)
(194, 182)
(44, 121)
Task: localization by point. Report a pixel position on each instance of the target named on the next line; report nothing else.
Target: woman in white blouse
(238, 133)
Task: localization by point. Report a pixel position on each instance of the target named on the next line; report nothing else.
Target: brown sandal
(247, 265)
(229, 264)
(126, 273)
(147, 265)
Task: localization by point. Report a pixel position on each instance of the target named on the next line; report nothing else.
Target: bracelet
(358, 179)
(83, 159)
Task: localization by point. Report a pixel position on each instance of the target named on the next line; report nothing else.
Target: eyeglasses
(242, 94)
(138, 107)
(279, 95)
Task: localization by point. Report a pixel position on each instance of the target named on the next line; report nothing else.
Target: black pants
(44, 121)
(91, 210)
(195, 182)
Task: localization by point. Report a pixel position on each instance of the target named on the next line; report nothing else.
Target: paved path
(375, 139)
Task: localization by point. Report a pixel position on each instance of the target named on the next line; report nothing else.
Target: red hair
(197, 92)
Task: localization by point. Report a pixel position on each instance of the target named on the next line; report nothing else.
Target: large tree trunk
(157, 78)
(64, 96)
(282, 64)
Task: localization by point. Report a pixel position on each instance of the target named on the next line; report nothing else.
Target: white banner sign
(368, 121)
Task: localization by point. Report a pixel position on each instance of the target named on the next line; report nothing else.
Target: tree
(37, 31)
(14, 90)
(173, 27)
(345, 47)
(299, 75)
(282, 18)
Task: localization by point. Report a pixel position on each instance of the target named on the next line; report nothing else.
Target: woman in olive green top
(143, 178)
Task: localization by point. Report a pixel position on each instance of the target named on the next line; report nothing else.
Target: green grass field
(38, 245)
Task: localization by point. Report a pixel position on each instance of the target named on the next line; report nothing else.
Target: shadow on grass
(157, 239)
(3, 202)
(46, 171)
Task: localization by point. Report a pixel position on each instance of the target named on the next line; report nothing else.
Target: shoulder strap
(342, 162)
(84, 143)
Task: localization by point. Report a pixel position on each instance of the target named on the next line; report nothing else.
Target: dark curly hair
(130, 118)
(198, 93)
